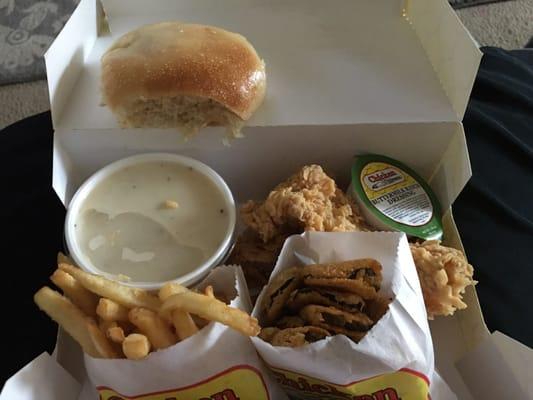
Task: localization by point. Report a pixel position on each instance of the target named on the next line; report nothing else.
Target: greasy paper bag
(395, 358)
(216, 363)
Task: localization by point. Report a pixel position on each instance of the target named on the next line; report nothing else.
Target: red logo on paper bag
(238, 383)
(400, 385)
(384, 178)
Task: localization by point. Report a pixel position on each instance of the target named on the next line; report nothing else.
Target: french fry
(208, 291)
(214, 310)
(105, 325)
(110, 310)
(182, 320)
(68, 316)
(116, 334)
(154, 327)
(127, 327)
(136, 346)
(124, 295)
(183, 324)
(64, 259)
(75, 292)
(100, 341)
(170, 289)
(114, 330)
(199, 322)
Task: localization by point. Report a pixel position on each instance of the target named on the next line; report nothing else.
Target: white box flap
(499, 368)
(519, 358)
(41, 379)
(66, 56)
(354, 62)
(70, 356)
(259, 157)
(449, 46)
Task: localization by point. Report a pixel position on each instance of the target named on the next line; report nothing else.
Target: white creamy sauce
(152, 222)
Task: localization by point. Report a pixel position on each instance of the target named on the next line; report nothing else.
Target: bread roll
(187, 76)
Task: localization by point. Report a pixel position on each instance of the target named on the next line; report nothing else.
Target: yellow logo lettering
(400, 385)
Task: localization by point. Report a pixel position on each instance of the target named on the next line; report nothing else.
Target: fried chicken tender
(256, 258)
(308, 201)
(311, 201)
(444, 274)
(250, 248)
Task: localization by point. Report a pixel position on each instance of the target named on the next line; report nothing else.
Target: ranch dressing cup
(393, 197)
(150, 219)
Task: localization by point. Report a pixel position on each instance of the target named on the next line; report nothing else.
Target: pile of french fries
(111, 320)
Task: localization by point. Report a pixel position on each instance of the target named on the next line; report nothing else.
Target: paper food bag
(216, 363)
(395, 358)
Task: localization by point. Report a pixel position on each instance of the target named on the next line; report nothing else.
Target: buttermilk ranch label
(396, 194)
(393, 197)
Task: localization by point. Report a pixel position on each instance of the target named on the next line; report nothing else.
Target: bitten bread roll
(186, 76)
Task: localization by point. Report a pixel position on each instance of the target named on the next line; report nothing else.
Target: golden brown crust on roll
(172, 59)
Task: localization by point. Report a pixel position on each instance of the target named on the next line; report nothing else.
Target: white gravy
(152, 222)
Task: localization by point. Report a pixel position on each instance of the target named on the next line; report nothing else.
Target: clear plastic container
(188, 279)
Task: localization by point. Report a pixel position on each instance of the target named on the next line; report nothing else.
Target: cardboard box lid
(340, 62)
(254, 165)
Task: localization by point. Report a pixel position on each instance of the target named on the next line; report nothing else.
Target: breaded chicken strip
(444, 275)
(308, 201)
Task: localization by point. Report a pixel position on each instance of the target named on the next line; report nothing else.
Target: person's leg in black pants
(494, 213)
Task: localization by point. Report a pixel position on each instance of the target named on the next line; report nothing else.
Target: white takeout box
(344, 77)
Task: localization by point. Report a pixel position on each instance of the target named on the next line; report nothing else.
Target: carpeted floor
(470, 3)
(508, 25)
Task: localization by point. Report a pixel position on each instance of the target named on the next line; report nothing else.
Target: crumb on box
(170, 204)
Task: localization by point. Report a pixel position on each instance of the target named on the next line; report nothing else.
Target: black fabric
(494, 213)
(32, 225)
